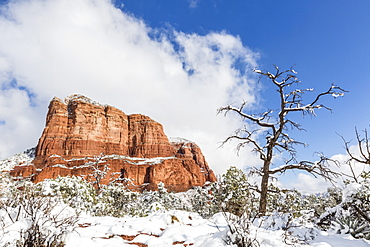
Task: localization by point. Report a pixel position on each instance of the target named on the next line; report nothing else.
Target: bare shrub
(38, 219)
(240, 231)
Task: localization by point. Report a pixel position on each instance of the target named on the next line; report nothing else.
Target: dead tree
(363, 144)
(99, 170)
(276, 125)
(363, 157)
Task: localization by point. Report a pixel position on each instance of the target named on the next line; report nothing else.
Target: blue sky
(327, 41)
(179, 61)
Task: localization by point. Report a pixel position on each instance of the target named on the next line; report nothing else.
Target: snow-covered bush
(297, 204)
(240, 231)
(345, 223)
(115, 200)
(204, 201)
(236, 194)
(6, 182)
(294, 229)
(162, 199)
(352, 214)
(75, 191)
(232, 194)
(30, 218)
(321, 202)
(285, 201)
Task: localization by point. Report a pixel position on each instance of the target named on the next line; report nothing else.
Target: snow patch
(79, 97)
(178, 140)
(24, 158)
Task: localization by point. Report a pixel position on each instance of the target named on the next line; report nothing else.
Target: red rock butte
(94, 141)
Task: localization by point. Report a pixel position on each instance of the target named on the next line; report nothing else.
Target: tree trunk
(264, 188)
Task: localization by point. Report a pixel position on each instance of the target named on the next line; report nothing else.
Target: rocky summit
(103, 144)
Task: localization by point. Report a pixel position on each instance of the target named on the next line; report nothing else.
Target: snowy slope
(159, 229)
(180, 228)
(23, 158)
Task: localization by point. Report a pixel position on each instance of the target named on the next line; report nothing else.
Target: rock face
(85, 138)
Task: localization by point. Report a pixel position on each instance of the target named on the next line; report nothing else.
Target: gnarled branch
(319, 168)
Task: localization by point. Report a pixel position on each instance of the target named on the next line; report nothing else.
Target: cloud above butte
(61, 47)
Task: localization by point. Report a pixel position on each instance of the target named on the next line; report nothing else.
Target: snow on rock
(79, 97)
(179, 140)
(24, 158)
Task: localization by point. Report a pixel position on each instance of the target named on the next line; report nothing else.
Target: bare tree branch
(319, 168)
(276, 124)
(362, 143)
(244, 140)
(258, 121)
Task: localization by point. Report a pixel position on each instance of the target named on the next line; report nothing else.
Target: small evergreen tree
(116, 200)
(236, 194)
(205, 201)
(75, 191)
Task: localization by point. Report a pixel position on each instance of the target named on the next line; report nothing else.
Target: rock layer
(84, 138)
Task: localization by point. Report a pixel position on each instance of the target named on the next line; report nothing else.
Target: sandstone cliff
(83, 138)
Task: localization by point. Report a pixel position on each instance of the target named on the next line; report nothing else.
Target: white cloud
(309, 184)
(60, 47)
(20, 121)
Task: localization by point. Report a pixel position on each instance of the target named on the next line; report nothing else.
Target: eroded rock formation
(84, 138)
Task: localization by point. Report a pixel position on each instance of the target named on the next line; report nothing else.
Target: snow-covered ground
(161, 228)
(180, 228)
(175, 228)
